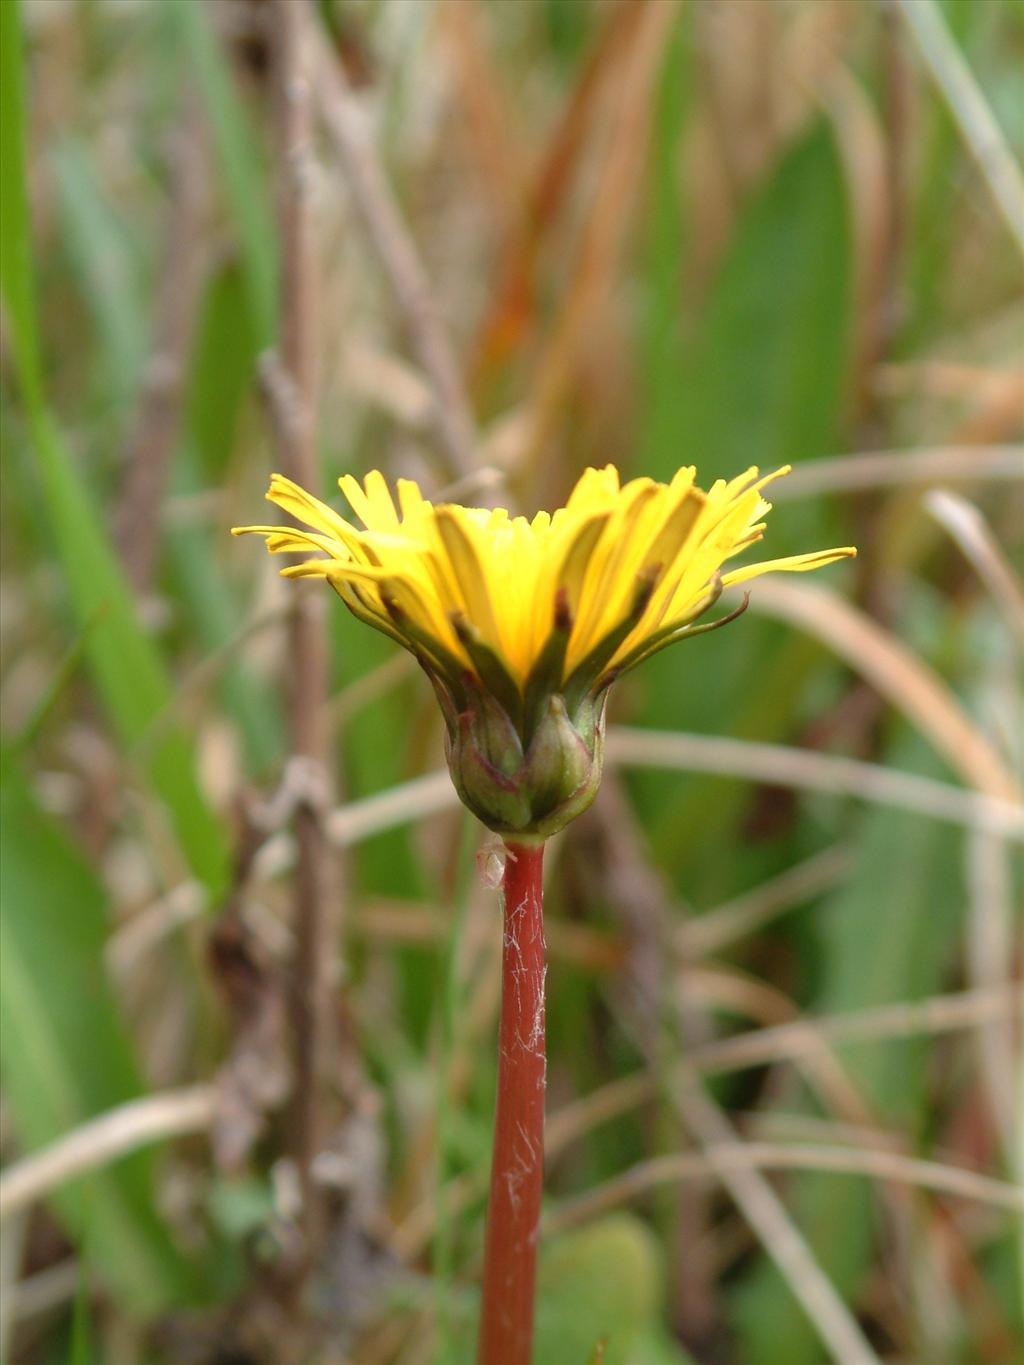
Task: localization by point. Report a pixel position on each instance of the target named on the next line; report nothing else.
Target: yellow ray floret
(614, 574)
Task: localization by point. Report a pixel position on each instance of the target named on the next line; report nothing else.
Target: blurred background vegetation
(723, 232)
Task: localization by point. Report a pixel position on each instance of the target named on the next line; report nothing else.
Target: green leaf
(765, 383)
(221, 372)
(661, 332)
(761, 383)
(603, 1282)
(64, 1050)
(106, 265)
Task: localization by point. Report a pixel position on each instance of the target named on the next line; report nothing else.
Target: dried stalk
(765, 1213)
(781, 764)
(970, 110)
(897, 674)
(721, 927)
(800, 1037)
(990, 941)
(786, 1042)
(292, 392)
(934, 1016)
(102, 1140)
(973, 534)
(895, 468)
(785, 765)
(376, 207)
(957, 1181)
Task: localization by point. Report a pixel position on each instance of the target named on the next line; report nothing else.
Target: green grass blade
(64, 1050)
(221, 373)
(15, 242)
(245, 185)
(126, 668)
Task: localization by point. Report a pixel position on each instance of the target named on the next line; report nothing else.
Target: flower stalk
(517, 1166)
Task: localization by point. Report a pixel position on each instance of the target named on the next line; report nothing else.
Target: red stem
(517, 1168)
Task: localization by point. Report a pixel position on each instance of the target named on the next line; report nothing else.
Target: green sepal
(443, 693)
(493, 674)
(494, 734)
(557, 761)
(496, 799)
(545, 677)
(575, 802)
(670, 637)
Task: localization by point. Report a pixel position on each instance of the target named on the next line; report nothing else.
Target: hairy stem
(517, 1167)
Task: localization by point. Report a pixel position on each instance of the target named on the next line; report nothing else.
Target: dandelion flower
(523, 624)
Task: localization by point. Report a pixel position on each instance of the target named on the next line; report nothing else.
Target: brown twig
(786, 765)
(101, 1140)
(748, 913)
(897, 674)
(376, 207)
(990, 942)
(153, 436)
(764, 1211)
(894, 468)
(974, 536)
(292, 393)
(956, 1181)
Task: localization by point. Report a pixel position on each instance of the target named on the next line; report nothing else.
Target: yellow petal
(372, 504)
(789, 564)
(412, 568)
(468, 570)
(304, 507)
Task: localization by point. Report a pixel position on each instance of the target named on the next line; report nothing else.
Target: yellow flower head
(522, 624)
